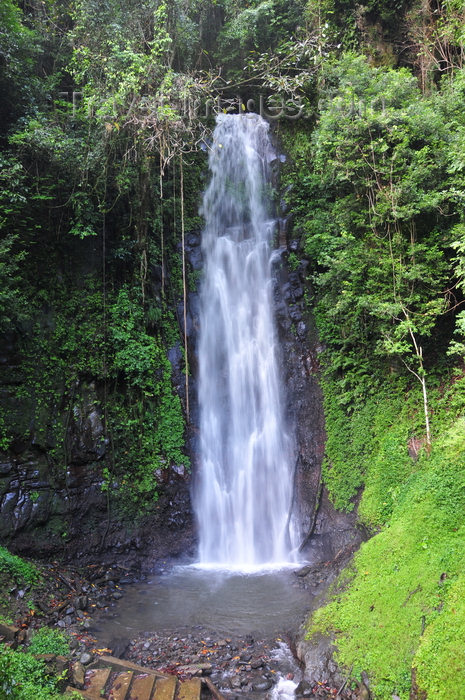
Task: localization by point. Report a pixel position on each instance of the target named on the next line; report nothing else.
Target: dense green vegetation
(23, 677)
(101, 124)
(397, 607)
(90, 214)
(49, 641)
(377, 193)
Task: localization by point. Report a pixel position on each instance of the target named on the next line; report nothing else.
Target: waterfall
(243, 494)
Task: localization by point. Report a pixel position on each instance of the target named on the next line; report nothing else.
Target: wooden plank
(122, 665)
(96, 680)
(142, 687)
(120, 685)
(190, 690)
(213, 689)
(165, 688)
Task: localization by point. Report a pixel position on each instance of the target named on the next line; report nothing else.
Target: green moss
(397, 588)
(440, 658)
(402, 604)
(389, 466)
(360, 443)
(20, 570)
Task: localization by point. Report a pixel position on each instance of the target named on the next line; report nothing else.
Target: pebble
(234, 665)
(262, 685)
(85, 658)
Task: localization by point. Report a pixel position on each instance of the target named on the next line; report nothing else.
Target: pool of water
(227, 604)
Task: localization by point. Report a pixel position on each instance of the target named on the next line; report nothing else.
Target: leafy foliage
(376, 189)
(375, 209)
(49, 641)
(149, 431)
(23, 677)
(89, 219)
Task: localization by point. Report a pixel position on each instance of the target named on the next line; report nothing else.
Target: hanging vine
(184, 285)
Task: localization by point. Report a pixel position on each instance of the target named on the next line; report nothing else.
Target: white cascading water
(243, 495)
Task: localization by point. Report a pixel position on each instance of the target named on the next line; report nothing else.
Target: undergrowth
(24, 677)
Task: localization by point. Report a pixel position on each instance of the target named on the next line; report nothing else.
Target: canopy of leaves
(377, 212)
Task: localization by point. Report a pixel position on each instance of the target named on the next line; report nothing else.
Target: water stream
(244, 488)
(186, 612)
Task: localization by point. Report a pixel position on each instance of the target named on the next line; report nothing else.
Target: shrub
(23, 677)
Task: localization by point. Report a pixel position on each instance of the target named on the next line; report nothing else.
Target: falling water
(244, 489)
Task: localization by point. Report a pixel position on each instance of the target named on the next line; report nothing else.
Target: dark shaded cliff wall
(58, 481)
(325, 534)
(76, 417)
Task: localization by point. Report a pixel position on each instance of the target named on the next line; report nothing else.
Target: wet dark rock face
(46, 511)
(299, 361)
(325, 533)
(51, 499)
